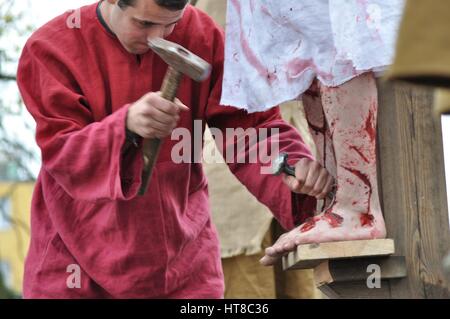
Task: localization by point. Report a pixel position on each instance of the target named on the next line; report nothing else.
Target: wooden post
(411, 178)
(412, 188)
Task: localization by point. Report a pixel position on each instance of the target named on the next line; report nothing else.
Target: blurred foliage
(14, 156)
(5, 292)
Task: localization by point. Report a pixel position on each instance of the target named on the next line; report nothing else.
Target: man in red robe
(92, 89)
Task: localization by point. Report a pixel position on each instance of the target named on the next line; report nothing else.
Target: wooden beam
(346, 270)
(356, 290)
(412, 188)
(311, 255)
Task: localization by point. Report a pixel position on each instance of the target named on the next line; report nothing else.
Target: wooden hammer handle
(170, 84)
(152, 146)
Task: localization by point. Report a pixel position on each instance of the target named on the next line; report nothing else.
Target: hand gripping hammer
(181, 62)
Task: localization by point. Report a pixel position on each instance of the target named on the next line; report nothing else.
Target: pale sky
(40, 11)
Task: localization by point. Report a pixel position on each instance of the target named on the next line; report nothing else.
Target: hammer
(280, 165)
(180, 61)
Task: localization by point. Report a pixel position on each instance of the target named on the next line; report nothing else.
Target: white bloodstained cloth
(275, 48)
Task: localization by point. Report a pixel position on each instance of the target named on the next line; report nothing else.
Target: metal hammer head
(278, 165)
(181, 59)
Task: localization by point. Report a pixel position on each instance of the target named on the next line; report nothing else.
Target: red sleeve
(288, 208)
(85, 157)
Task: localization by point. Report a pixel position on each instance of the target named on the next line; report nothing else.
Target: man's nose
(155, 32)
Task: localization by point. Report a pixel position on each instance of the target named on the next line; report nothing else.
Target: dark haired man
(93, 91)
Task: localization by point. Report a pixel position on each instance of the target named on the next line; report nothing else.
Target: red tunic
(78, 83)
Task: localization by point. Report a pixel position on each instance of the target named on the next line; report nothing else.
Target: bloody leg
(350, 111)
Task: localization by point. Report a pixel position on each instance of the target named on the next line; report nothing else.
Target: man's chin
(138, 50)
(142, 51)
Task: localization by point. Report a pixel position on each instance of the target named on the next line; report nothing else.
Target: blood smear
(366, 218)
(248, 52)
(309, 224)
(333, 219)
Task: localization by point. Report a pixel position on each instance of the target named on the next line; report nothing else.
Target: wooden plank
(432, 200)
(398, 189)
(345, 270)
(311, 255)
(412, 188)
(356, 290)
(328, 293)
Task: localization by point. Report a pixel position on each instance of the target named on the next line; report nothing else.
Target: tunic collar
(102, 21)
